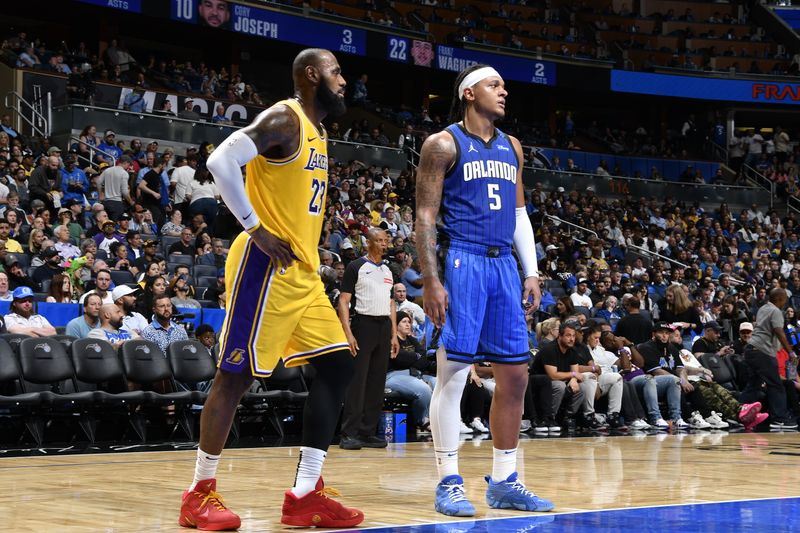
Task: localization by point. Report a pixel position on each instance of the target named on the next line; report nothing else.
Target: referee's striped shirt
(371, 286)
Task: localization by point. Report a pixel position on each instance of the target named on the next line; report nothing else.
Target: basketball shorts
(273, 314)
(485, 319)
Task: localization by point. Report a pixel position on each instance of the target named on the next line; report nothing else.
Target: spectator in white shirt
(22, 320)
(580, 298)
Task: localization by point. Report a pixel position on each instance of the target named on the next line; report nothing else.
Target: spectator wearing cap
(66, 217)
(711, 342)
(188, 112)
(113, 188)
(148, 255)
(214, 292)
(110, 330)
(51, 266)
(74, 183)
(109, 146)
(217, 257)
(580, 298)
(12, 246)
(17, 277)
(21, 319)
(181, 290)
(5, 293)
(90, 319)
(661, 361)
(162, 330)
(63, 245)
(108, 237)
(124, 297)
(745, 333)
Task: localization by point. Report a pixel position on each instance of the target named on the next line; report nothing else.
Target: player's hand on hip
(274, 247)
(435, 301)
(351, 340)
(395, 347)
(531, 295)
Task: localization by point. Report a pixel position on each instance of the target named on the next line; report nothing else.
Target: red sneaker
(316, 509)
(203, 508)
(748, 412)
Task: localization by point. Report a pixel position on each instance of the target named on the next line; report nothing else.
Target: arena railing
(705, 193)
(40, 124)
(92, 149)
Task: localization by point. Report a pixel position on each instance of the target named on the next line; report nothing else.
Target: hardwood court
(137, 492)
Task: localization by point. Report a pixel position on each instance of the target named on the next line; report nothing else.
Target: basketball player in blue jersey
(276, 304)
(471, 175)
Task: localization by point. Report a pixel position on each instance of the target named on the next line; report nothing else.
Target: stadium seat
(65, 340)
(206, 281)
(58, 314)
(14, 340)
(46, 366)
(181, 259)
(122, 277)
(16, 403)
(191, 364)
(144, 364)
(166, 242)
(205, 270)
(98, 369)
(723, 370)
(557, 292)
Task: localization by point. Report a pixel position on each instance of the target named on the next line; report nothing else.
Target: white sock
(445, 412)
(309, 469)
(205, 467)
(504, 464)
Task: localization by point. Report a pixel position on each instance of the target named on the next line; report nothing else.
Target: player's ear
(312, 73)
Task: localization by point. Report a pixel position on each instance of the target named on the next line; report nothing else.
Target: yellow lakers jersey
(288, 195)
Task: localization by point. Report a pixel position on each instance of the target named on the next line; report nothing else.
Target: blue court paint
(773, 515)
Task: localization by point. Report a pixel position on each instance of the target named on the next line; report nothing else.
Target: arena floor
(678, 483)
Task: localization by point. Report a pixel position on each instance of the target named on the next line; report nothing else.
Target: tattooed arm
(437, 155)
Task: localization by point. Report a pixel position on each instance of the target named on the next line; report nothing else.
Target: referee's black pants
(363, 402)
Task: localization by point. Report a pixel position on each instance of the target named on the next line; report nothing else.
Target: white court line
(584, 511)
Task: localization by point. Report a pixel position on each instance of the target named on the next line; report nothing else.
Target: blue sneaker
(512, 494)
(450, 498)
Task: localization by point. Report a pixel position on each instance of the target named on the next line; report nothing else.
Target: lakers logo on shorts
(236, 357)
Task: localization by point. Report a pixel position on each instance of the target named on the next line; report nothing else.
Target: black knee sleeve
(324, 404)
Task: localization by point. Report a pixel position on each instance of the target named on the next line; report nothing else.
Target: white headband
(474, 77)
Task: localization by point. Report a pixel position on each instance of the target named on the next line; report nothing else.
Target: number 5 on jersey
(317, 196)
(495, 201)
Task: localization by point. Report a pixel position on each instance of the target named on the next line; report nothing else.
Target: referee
(372, 335)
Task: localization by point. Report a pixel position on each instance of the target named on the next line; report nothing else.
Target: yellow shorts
(273, 314)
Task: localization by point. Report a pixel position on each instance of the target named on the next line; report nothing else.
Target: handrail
(562, 221)
(650, 252)
(759, 180)
(34, 114)
(171, 118)
(334, 254)
(94, 149)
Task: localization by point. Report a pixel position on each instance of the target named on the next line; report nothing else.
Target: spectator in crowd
(679, 311)
(74, 183)
(51, 267)
(107, 151)
(559, 361)
(180, 290)
(203, 195)
(633, 326)
(188, 112)
(215, 291)
(102, 286)
(661, 360)
(148, 255)
(183, 246)
(154, 287)
(162, 330)
(63, 245)
(110, 329)
(113, 187)
(45, 179)
(124, 296)
(150, 191)
(580, 298)
(598, 383)
(410, 373)
(409, 308)
(217, 257)
(109, 235)
(61, 290)
(616, 354)
(119, 260)
(11, 245)
(182, 177)
(17, 277)
(5, 294)
(80, 327)
(745, 333)
(23, 320)
(565, 308)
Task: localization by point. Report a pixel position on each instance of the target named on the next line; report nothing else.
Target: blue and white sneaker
(451, 499)
(512, 494)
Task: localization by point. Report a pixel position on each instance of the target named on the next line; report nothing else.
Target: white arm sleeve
(225, 165)
(525, 244)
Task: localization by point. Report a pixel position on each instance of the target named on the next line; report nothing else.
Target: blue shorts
(485, 319)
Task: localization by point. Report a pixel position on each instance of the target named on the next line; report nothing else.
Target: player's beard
(332, 103)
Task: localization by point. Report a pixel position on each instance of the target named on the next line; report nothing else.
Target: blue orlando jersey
(480, 190)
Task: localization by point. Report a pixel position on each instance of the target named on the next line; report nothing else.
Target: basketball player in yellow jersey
(276, 305)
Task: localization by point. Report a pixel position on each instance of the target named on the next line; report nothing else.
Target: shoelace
(214, 498)
(327, 492)
(519, 487)
(456, 493)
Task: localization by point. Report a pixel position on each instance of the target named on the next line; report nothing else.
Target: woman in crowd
(547, 331)
(203, 195)
(174, 227)
(410, 373)
(153, 288)
(609, 311)
(35, 241)
(61, 290)
(564, 308)
(89, 141)
(678, 309)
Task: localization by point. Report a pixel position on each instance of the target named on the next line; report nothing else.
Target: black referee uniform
(368, 285)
